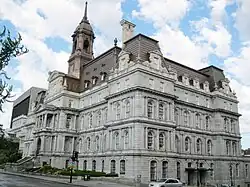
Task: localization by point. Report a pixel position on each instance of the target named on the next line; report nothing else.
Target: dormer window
(94, 80)
(180, 78)
(202, 86)
(86, 84)
(103, 76)
(191, 82)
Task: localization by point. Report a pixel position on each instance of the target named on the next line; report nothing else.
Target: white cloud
(242, 19)
(161, 12)
(59, 19)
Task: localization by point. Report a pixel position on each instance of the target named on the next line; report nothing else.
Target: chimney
(127, 30)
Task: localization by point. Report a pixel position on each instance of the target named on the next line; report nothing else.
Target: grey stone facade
(133, 112)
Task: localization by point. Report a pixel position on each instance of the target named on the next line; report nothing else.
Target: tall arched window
(150, 140)
(99, 117)
(177, 144)
(199, 146)
(90, 120)
(112, 166)
(207, 122)
(227, 147)
(97, 143)
(178, 165)
(127, 108)
(209, 147)
(150, 109)
(161, 111)
(176, 116)
(234, 148)
(126, 140)
(153, 170)
(198, 120)
(88, 143)
(85, 165)
(102, 165)
(161, 140)
(118, 111)
(93, 165)
(164, 169)
(187, 144)
(186, 118)
(122, 167)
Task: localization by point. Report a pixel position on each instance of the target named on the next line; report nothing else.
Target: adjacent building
(134, 112)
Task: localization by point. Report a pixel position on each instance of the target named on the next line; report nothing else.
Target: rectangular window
(68, 121)
(122, 167)
(237, 170)
(112, 168)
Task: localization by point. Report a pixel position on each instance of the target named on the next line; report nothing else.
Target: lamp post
(73, 159)
(197, 173)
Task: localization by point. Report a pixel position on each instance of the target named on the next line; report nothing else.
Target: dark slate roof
(103, 63)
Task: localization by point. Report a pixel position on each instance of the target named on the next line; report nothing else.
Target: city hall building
(133, 112)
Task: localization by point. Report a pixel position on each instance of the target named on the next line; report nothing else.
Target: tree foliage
(9, 48)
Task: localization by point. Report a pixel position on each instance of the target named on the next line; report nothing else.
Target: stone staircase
(21, 164)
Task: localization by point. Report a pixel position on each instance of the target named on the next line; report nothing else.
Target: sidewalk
(75, 182)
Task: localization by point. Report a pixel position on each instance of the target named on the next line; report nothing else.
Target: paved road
(18, 181)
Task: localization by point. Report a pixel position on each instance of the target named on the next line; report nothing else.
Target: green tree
(10, 47)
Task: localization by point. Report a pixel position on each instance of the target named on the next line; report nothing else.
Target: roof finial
(86, 11)
(115, 42)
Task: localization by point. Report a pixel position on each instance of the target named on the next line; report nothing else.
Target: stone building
(131, 111)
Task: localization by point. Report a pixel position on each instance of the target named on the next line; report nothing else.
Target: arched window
(161, 111)
(232, 126)
(177, 144)
(207, 122)
(150, 109)
(150, 140)
(85, 165)
(176, 116)
(99, 117)
(234, 148)
(126, 140)
(209, 147)
(227, 147)
(198, 120)
(118, 111)
(164, 169)
(153, 170)
(212, 170)
(237, 171)
(112, 166)
(88, 143)
(97, 143)
(178, 165)
(102, 165)
(161, 141)
(90, 120)
(116, 140)
(122, 167)
(186, 116)
(127, 109)
(187, 144)
(104, 142)
(198, 146)
(93, 165)
(225, 124)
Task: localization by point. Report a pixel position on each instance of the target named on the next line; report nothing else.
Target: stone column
(45, 120)
(74, 122)
(157, 139)
(42, 143)
(73, 143)
(167, 113)
(110, 140)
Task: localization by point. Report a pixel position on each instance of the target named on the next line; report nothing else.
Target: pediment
(54, 74)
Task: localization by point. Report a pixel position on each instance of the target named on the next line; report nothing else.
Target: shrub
(81, 173)
(111, 175)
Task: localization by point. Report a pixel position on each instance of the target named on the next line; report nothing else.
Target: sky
(196, 33)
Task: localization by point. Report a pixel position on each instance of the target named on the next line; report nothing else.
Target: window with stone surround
(127, 108)
(85, 165)
(102, 165)
(237, 170)
(234, 148)
(126, 140)
(246, 170)
(178, 171)
(93, 165)
(105, 142)
(161, 141)
(212, 170)
(116, 140)
(164, 169)
(186, 116)
(90, 120)
(199, 146)
(118, 111)
(207, 122)
(161, 111)
(153, 170)
(176, 116)
(187, 144)
(150, 140)
(68, 121)
(99, 116)
(209, 147)
(198, 120)
(177, 144)
(122, 167)
(112, 166)
(97, 143)
(88, 144)
(150, 109)
(225, 124)
(227, 147)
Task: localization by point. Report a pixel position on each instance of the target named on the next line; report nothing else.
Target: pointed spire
(85, 18)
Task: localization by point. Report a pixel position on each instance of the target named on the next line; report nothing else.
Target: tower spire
(85, 18)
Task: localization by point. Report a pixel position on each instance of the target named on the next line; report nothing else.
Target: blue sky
(196, 33)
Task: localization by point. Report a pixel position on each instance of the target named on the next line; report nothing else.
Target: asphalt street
(18, 181)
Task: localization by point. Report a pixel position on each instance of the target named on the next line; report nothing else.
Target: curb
(31, 176)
